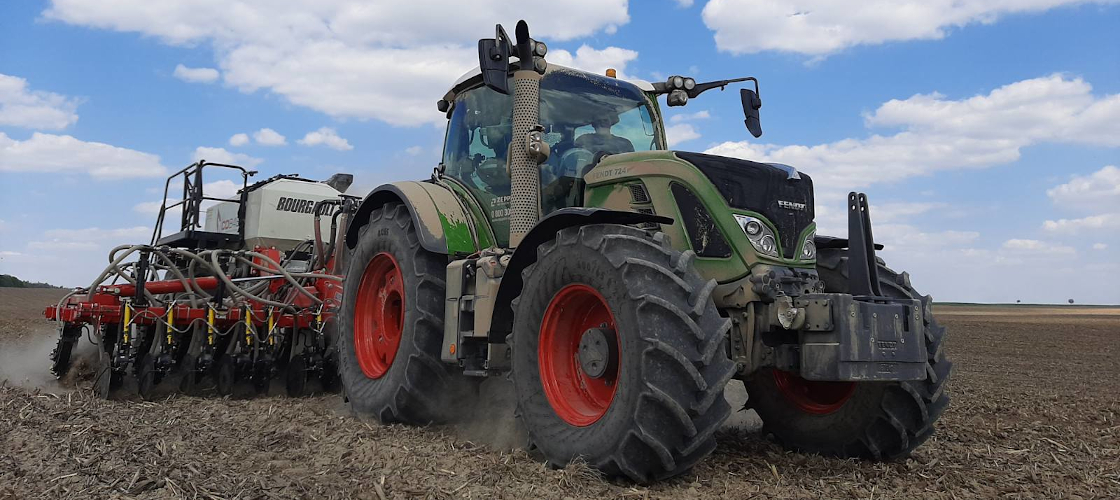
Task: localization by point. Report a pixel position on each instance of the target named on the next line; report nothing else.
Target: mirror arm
(721, 84)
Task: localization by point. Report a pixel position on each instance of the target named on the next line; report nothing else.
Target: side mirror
(493, 60)
(751, 104)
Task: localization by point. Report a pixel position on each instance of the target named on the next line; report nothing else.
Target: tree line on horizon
(9, 281)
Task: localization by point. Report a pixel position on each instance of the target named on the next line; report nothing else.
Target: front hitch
(861, 335)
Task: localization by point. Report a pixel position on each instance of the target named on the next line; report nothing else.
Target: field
(1035, 414)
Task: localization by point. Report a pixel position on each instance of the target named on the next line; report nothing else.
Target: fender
(545, 230)
(442, 223)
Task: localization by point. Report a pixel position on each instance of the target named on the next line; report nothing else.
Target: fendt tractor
(619, 284)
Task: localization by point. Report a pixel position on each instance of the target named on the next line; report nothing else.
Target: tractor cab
(585, 117)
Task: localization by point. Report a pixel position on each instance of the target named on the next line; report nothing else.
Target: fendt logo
(299, 206)
(789, 205)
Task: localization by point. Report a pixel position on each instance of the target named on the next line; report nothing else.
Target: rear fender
(442, 222)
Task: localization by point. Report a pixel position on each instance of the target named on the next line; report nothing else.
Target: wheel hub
(811, 396)
(597, 353)
(580, 383)
(379, 318)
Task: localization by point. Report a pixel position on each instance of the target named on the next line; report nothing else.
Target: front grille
(759, 187)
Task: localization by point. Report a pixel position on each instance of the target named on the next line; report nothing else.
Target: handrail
(193, 198)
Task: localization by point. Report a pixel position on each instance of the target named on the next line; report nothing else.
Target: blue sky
(987, 134)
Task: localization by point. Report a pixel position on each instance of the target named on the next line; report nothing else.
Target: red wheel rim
(812, 396)
(577, 398)
(379, 318)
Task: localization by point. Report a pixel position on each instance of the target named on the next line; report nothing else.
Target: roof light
(612, 73)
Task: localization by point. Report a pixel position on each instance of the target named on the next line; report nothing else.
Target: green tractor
(622, 285)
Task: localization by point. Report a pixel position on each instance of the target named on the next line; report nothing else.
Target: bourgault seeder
(621, 285)
(232, 303)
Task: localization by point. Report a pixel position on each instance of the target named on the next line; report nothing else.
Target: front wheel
(619, 354)
(876, 420)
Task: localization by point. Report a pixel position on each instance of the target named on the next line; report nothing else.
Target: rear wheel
(877, 420)
(619, 354)
(391, 326)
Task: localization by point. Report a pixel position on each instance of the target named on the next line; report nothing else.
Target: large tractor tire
(391, 328)
(874, 420)
(619, 354)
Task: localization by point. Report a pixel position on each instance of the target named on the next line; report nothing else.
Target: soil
(1036, 398)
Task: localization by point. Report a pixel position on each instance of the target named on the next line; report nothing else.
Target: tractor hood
(778, 192)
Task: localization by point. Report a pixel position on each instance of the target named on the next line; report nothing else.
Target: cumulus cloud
(680, 132)
(594, 60)
(49, 153)
(326, 136)
(239, 139)
(1092, 223)
(89, 238)
(938, 133)
(36, 109)
(689, 117)
(822, 27)
(220, 155)
(269, 137)
(346, 58)
(1099, 246)
(196, 75)
(1037, 247)
(1097, 191)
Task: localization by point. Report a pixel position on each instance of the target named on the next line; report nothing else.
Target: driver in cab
(602, 140)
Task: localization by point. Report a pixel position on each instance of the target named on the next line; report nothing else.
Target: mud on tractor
(621, 285)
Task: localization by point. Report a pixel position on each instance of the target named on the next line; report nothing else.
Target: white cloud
(49, 153)
(684, 4)
(196, 75)
(35, 109)
(594, 60)
(326, 136)
(89, 238)
(1092, 223)
(269, 137)
(346, 58)
(1024, 246)
(239, 139)
(220, 155)
(688, 117)
(1096, 192)
(680, 132)
(414, 150)
(943, 134)
(822, 27)
(1099, 246)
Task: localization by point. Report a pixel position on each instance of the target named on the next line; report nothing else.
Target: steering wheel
(493, 172)
(574, 161)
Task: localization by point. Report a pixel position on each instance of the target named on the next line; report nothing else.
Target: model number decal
(610, 172)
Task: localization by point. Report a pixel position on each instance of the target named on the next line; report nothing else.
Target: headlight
(759, 234)
(677, 82)
(689, 84)
(808, 248)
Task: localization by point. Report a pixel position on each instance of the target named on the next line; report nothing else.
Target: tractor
(623, 285)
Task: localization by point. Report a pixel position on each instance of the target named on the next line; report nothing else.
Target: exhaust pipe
(525, 203)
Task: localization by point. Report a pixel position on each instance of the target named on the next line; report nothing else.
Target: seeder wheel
(227, 375)
(148, 378)
(296, 378)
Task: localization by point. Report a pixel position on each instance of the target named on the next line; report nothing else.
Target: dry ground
(1036, 398)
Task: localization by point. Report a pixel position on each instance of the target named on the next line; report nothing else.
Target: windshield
(585, 117)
